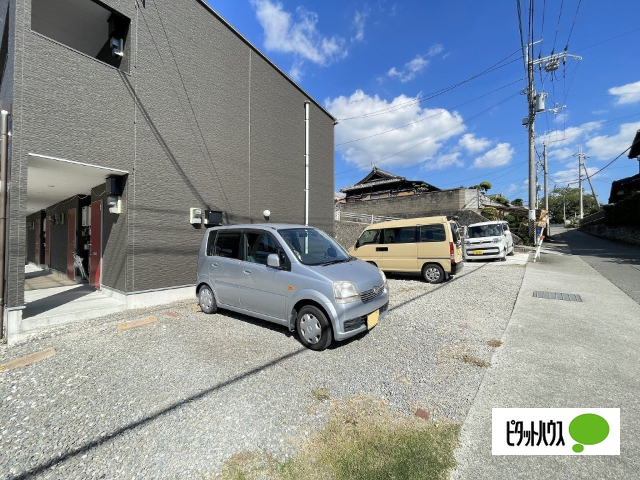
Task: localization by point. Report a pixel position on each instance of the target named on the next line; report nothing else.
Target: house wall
(200, 120)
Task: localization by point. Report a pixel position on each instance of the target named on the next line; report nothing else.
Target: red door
(36, 259)
(71, 243)
(95, 252)
(47, 242)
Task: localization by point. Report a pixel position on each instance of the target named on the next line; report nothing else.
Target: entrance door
(71, 243)
(95, 252)
(36, 258)
(47, 242)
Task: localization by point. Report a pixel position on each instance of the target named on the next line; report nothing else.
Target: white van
(488, 240)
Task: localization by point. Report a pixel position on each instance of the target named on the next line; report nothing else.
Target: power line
(557, 27)
(573, 24)
(609, 39)
(437, 93)
(431, 138)
(427, 118)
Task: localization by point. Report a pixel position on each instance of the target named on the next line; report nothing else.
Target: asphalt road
(617, 262)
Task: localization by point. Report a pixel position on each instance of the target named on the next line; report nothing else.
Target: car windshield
(314, 247)
(480, 231)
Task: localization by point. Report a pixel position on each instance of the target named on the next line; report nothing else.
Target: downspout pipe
(4, 156)
(306, 163)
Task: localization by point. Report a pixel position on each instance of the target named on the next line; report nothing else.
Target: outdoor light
(267, 214)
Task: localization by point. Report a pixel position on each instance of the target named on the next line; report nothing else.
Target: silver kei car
(293, 275)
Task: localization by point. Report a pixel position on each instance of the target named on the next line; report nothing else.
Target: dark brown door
(47, 242)
(36, 258)
(71, 243)
(95, 252)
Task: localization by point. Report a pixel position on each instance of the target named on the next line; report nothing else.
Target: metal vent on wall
(569, 297)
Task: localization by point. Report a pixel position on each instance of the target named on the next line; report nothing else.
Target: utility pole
(580, 156)
(586, 174)
(536, 105)
(546, 186)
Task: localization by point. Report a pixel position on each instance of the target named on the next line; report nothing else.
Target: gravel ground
(178, 398)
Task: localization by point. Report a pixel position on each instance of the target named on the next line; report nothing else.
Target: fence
(361, 217)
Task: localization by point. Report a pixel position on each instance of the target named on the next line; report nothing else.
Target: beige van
(430, 246)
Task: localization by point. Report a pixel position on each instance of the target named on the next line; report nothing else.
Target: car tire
(433, 273)
(313, 327)
(513, 251)
(207, 300)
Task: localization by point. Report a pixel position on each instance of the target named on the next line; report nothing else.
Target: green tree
(568, 199)
(518, 202)
(485, 186)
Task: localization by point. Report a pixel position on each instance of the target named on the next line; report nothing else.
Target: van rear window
(432, 233)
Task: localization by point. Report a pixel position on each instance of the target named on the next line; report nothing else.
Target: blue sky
(436, 86)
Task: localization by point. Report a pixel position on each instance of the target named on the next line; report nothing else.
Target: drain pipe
(306, 163)
(4, 150)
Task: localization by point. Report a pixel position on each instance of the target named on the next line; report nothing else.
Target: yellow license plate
(477, 252)
(372, 319)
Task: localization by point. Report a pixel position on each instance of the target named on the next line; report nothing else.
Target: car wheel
(513, 251)
(433, 273)
(314, 329)
(207, 300)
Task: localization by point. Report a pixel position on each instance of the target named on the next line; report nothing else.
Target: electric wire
(608, 39)
(442, 111)
(392, 108)
(573, 24)
(433, 137)
(557, 27)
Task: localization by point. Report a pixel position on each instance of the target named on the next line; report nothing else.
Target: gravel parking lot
(177, 398)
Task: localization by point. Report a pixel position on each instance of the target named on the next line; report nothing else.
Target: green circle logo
(588, 429)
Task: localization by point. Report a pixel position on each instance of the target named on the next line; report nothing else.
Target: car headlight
(496, 240)
(345, 292)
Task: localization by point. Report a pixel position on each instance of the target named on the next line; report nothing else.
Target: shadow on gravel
(132, 426)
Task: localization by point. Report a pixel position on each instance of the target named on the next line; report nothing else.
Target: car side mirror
(273, 260)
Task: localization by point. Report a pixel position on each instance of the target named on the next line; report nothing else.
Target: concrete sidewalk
(561, 354)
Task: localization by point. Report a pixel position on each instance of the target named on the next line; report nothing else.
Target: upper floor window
(86, 26)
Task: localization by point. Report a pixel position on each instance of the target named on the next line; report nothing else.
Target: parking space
(179, 396)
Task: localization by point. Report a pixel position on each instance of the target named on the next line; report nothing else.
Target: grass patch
(494, 342)
(478, 362)
(320, 394)
(362, 440)
(251, 466)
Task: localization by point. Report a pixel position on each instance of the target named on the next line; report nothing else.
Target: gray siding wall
(202, 120)
(6, 88)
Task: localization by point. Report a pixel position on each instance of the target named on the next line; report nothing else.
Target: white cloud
(359, 23)
(501, 154)
(627, 94)
(435, 50)
(600, 112)
(299, 37)
(560, 153)
(607, 147)
(414, 67)
(407, 146)
(443, 161)
(563, 177)
(410, 70)
(569, 135)
(473, 144)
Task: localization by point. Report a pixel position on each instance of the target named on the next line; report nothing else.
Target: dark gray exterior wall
(6, 88)
(201, 120)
